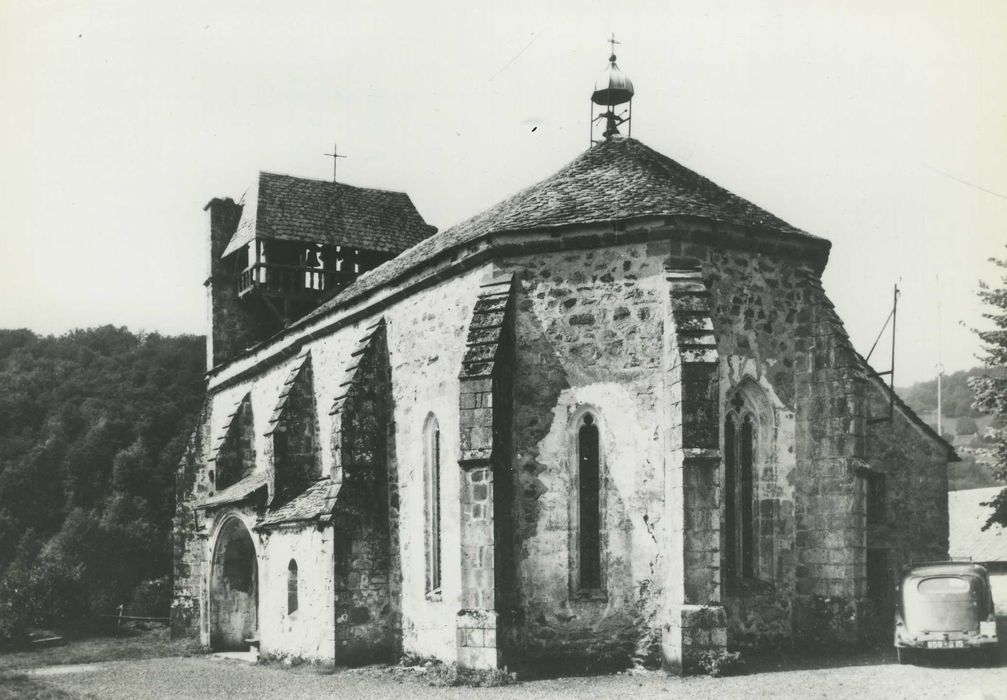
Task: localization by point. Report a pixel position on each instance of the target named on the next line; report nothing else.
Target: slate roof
(314, 503)
(237, 491)
(286, 208)
(300, 364)
(967, 516)
(616, 180)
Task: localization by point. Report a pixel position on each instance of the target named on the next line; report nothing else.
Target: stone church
(613, 419)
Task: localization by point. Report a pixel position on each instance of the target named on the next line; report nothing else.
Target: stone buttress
(487, 593)
(694, 620)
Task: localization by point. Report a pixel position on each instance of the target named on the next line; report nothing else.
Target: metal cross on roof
(613, 42)
(335, 155)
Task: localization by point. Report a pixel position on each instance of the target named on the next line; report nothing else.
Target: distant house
(967, 515)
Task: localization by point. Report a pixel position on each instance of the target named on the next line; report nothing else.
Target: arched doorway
(234, 588)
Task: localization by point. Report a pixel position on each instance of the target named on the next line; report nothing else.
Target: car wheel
(905, 655)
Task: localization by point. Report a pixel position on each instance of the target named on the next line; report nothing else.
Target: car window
(943, 585)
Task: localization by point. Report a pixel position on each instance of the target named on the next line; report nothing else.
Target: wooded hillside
(964, 426)
(92, 424)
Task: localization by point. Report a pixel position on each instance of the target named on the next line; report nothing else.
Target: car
(944, 606)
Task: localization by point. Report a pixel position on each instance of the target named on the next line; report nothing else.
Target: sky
(880, 126)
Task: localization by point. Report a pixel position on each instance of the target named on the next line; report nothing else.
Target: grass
(16, 680)
(141, 644)
(18, 685)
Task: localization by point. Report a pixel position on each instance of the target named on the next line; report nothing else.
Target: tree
(991, 391)
(92, 425)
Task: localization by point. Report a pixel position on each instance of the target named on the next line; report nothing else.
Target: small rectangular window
(291, 586)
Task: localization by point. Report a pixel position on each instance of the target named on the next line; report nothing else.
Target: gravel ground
(208, 677)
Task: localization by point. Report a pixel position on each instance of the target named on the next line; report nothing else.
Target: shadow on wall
(540, 378)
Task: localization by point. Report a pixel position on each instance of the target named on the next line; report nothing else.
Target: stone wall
(295, 432)
(591, 330)
(187, 538)
(912, 523)
(309, 631)
(368, 569)
(232, 324)
(588, 338)
(235, 458)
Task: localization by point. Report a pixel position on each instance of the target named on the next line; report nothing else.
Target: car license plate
(945, 644)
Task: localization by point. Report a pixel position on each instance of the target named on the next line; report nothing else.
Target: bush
(719, 662)
(441, 675)
(151, 598)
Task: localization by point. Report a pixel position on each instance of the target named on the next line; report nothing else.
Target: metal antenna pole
(940, 403)
(891, 371)
(891, 377)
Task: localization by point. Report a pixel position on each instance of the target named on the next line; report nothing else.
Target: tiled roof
(967, 516)
(281, 207)
(353, 377)
(236, 492)
(314, 503)
(301, 363)
(616, 180)
(221, 441)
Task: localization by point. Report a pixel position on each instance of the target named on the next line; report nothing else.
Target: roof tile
(314, 503)
(286, 208)
(614, 181)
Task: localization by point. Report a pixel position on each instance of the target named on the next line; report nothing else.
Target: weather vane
(335, 155)
(613, 42)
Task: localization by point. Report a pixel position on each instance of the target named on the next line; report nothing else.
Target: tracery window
(291, 586)
(432, 499)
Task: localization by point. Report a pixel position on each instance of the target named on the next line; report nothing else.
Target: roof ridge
(331, 182)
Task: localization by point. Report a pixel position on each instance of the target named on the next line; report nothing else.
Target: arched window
(741, 435)
(589, 504)
(432, 499)
(291, 586)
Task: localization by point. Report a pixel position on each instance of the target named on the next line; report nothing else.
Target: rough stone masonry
(612, 420)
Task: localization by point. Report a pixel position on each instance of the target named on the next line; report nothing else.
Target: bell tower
(612, 89)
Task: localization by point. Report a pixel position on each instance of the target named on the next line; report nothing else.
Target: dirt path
(221, 678)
